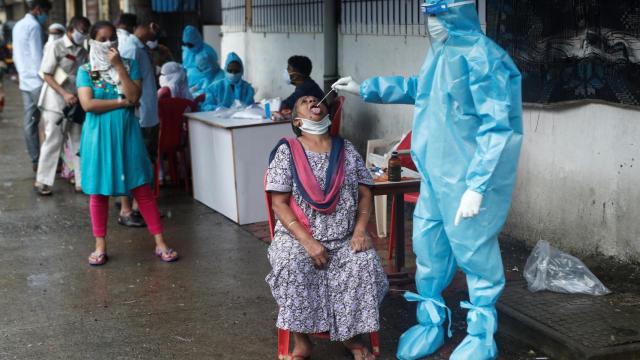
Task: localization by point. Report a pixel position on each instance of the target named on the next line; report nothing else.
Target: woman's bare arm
(97, 106)
(280, 205)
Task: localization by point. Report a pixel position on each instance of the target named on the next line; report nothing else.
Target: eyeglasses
(189, 45)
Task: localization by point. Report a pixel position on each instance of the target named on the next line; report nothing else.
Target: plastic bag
(550, 269)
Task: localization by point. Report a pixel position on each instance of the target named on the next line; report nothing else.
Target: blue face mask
(42, 18)
(233, 78)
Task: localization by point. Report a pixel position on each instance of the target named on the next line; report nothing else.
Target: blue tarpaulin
(173, 5)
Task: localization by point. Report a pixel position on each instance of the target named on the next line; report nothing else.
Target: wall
(578, 180)
(577, 183)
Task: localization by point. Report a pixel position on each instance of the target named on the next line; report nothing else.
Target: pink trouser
(99, 209)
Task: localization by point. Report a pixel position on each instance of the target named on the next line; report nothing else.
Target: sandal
(97, 258)
(167, 256)
(364, 353)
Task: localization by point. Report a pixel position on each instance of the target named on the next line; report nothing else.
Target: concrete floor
(211, 304)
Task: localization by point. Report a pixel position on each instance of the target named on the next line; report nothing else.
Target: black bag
(74, 113)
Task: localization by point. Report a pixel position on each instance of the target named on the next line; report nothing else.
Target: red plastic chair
(412, 198)
(164, 93)
(172, 129)
(284, 336)
(334, 130)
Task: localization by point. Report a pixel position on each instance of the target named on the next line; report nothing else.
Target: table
(229, 158)
(397, 189)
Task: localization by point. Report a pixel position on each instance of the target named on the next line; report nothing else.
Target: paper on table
(252, 112)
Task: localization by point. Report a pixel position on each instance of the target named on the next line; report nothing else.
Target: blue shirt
(307, 88)
(134, 49)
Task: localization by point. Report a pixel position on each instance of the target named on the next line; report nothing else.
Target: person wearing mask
(298, 74)
(113, 157)
(232, 88)
(27, 56)
(135, 48)
(160, 53)
(125, 25)
(174, 78)
(64, 55)
(192, 45)
(467, 135)
(206, 72)
(56, 31)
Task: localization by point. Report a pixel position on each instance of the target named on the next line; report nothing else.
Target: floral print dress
(343, 298)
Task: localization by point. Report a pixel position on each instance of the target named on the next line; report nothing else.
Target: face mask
(78, 37)
(53, 37)
(286, 78)
(315, 127)
(42, 18)
(152, 44)
(233, 78)
(99, 54)
(436, 29)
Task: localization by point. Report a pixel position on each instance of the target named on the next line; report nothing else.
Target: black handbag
(74, 113)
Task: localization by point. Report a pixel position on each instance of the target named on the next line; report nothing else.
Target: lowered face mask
(315, 127)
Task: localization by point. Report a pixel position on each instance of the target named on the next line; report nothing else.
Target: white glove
(347, 84)
(469, 206)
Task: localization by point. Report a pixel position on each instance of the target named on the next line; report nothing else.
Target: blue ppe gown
(191, 35)
(206, 72)
(225, 92)
(467, 134)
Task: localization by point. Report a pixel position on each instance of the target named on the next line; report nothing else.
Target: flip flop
(167, 256)
(97, 258)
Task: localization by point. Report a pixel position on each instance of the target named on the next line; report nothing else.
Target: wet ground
(212, 304)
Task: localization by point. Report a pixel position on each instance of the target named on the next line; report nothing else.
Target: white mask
(78, 37)
(315, 127)
(53, 37)
(152, 44)
(437, 29)
(286, 78)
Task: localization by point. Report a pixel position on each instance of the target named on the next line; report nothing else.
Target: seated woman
(174, 78)
(205, 72)
(325, 275)
(225, 93)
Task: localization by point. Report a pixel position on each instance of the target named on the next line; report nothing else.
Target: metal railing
(382, 17)
(287, 16)
(233, 16)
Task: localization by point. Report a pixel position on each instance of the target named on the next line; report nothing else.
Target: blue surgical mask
(42, 18)
(233, 78)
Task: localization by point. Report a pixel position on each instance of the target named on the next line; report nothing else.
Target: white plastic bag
(550, 269)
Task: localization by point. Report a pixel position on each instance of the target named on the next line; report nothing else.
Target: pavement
(211, 304)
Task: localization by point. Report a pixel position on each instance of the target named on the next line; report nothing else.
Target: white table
(228, 159)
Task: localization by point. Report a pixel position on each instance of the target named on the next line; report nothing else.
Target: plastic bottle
(394, 170)
(267, 110)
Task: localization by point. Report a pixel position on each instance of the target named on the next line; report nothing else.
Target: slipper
(167, 256)
(97, 258)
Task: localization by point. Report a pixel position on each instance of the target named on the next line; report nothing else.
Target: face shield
(435, 28)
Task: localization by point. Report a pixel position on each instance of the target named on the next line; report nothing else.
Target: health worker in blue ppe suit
(192, 46)
(206, 72)
(232, 88)
(467, 133)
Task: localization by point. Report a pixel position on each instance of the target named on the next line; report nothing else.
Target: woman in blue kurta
(111, 147)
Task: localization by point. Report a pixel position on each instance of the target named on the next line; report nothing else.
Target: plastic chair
(284, 336)
(172, 127)
(336, 118)
(412, 198)
(164, 93)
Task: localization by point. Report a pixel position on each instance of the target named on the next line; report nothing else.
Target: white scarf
(172, 75)
(99, 60)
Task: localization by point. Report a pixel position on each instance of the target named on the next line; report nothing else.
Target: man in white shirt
(60, 64)
(125, 25)
(27, 56)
